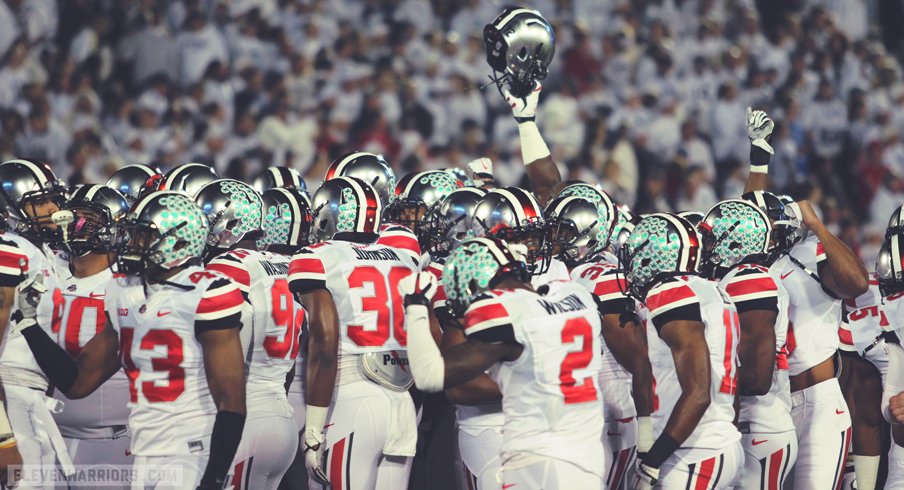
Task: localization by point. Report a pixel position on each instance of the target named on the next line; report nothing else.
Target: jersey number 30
(385, 299)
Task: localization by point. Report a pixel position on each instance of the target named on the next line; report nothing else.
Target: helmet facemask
(141, 248)
(37, 209)
(88, 229)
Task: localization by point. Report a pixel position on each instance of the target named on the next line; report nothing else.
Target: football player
(692, 331)
(544, 350)
(890, 276)
(377, 172)
(737, 252)
(415, 196)
(174, 328)
(579, 232)
(132, 180)
(29, 194)
(271, 337)
(513, 215)
(95, 428)
(360, 421)
(866, 336)
(287, 229)
(817, 273)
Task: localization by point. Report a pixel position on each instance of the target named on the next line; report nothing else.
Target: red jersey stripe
(706, 474)
(234, 272)
(610, 285)
(845, 336)
(666, 297)
(230, 298)
(742, 286)
(485, 313)
(310, 265)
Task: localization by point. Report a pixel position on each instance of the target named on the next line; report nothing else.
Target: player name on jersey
(379, 254)
(570, 303)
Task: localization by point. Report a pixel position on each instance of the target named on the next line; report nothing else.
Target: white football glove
(519, 250)
(313, 456)
(645, 477)
(29, 295)
(759, 129)
(418, 288)
(524, 107)
(480, 169)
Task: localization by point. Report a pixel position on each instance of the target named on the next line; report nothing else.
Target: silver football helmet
(287, 221)
(131, 180)
(575, 229)
(276, 177)
(26, 189)
(234, 213)
(661, 245)
(88, 218)
(889, 267)
(188, 178)
(732, 231)
(514, 215)
(449, 224)
(370, 168)
(345, 205)
(520, 44)
(416, 195)
(474, 266)
(895, 222)
(163, 231)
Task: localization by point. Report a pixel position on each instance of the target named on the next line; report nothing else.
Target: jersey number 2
(385, 296)
(574, 392)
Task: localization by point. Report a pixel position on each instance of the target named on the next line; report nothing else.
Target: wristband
(521, 120)
(644, 434)
(315, 418)
(533, 147)
(661, 450)
(759, 169)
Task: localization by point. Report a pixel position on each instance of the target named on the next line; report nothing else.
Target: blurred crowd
(645, 97)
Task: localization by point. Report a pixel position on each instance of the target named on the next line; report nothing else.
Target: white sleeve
(427, 365)
(894, 381)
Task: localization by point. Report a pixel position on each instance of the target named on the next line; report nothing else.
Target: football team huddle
(253, 335)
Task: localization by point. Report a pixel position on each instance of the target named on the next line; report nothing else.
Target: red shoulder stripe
(669, 296)
(231, 298)
(308, 265)
(236, 273)
(750, 285)
(485, 313)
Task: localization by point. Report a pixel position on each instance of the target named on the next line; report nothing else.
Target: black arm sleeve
(60, 368)
(224, 441)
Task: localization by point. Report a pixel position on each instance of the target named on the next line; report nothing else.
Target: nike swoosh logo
(163, 313)
(96, 296)
(508, 485)
(786, 275)
(838, 412)
(328, 425)
(757, 443)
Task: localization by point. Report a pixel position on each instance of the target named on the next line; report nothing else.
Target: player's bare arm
(323, 347)
(844, 273)
(628, 344)
(480, 389)
(687, 342)
(540, 168)
(756, 352)
(861, 384)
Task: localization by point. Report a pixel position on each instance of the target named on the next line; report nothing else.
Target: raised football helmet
(368, 167)
(234, 213)
(576, 231)
(514, 215)
(131, 180)
(88, 218)
(416, 195)
(732, 231)
(449, 223)
(275, 177)
(163, 231)
(474, 267)
(889, 265)
(188, 178)
(661, 246)
(345, 204)
(520, 45)
(30, 193)
(287, 221)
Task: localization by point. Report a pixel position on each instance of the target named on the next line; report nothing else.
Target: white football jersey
(276, 320)
(813, 314)
(557, 271)
(468, 416)
(550, 395)
(400, 238)
(752, 287)
(868, 323)
(172, 411)
(694, 298)
(19, 260)
(73, 311)
(363, 280)
(608, 285)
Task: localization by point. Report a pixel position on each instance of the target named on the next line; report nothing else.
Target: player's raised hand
(524, 108)
(759, 130)
(418, 289)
